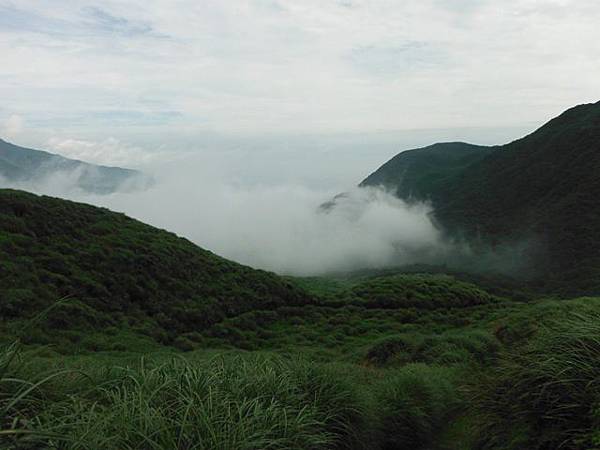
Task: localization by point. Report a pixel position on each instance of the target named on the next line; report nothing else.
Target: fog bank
(274, 227)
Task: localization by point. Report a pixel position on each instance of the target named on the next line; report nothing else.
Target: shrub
(393, 347)
(454, 347)
(420, 291)
(474, 346)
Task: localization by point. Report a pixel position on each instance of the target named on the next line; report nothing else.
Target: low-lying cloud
(12, 126)
(275, 227)
(110, 151)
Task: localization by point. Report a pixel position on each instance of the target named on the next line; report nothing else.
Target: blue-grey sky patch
(15, 20)
(104, 22)
(346, 3)
(397, 59)
(271, 5)
(89, 21)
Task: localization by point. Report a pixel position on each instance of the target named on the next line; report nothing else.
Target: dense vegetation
(538, 197)
(546, 393)
(118, 273)
(116, 335)
(421, 174)
(19, 164)
(503, 378)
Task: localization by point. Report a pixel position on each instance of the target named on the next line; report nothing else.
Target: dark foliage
(118, 270)
(545, 394)
(418, 290)
(414, 403)
(537, 198)
(420, 174)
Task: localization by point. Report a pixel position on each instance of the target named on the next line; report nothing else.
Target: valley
(118, 335)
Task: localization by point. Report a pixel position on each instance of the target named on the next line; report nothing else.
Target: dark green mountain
(542, 190)
(419, 175)
(119, 272)
(24, 165)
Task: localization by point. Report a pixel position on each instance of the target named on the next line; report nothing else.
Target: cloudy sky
(110, 80)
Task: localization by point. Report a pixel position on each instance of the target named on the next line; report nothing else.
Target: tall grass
(256, 402)
(546, 394)
(414, 404)
(232, 401)
(453, 347)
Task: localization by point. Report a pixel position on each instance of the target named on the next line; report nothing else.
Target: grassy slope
(421, 173)
(537, 197)
(119, 273)
(543, 187)
(441, 380)
(355, 312)
(374, 361)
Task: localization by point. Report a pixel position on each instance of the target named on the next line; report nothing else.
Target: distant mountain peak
(20, 166)
(415, 175)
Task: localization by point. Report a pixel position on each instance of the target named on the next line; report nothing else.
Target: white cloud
(13, 126)
(110, 151)
(278, 228)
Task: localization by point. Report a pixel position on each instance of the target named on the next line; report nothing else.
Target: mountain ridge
(420, 168)
(25, 165)
(541, 188)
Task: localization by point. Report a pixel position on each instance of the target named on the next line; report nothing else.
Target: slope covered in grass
(375, 361)
(421, 174)
(537, 390)
(422, 291)
(545, 391)
(543, 188)
(228, 402)
(354, 314)
(537, 198)
(119, 272)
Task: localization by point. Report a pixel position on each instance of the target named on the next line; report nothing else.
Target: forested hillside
(539, 195)
(117, 271)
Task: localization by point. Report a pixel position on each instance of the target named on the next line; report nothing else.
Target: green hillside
(119, 272)
(539, 196)
(418, 291)
(544, 187)
(376, 360)
(420, 174)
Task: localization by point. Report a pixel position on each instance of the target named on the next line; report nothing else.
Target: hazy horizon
(256, 200)
(120, 80)
(323, 161)
(252, 113)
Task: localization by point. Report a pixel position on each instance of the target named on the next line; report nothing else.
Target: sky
(121, 82)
